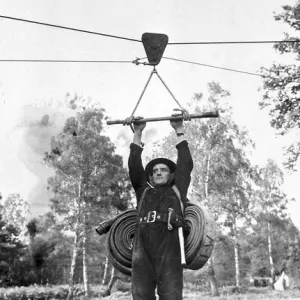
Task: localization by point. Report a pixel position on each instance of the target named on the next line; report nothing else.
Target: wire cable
(65, 61)
(135, 40)
(234, 42)
(70, 28)
(129, 39)
(125, 61)
(215, 67)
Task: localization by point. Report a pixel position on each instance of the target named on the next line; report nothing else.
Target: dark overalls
(156, 260)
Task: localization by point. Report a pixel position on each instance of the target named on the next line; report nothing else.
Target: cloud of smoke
(124, 137)
(151, 134)
(39, 124)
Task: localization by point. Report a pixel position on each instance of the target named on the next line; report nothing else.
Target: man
(156, 260)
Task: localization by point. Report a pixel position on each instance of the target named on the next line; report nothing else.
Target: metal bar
(213, 114)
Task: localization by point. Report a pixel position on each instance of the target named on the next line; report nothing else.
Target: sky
(29, 92)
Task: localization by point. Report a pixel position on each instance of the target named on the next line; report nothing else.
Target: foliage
(220, 177)
(88, 174)
(243, 197)
(43, 260)
(11, 250)
(85, 157)
(269, 211)
(270, 182)
(282, 87)
(90, 184)
(15, 210)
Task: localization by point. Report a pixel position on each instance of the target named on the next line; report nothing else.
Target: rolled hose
(198, 243)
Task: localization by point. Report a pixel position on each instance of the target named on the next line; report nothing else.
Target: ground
(123, 293)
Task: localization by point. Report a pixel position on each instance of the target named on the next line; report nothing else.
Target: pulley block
(155, 45)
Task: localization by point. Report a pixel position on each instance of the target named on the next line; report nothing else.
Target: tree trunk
(73, 263)
(113, 279)
(270, 253)
(237, 265)
(104, 279)
(207, 175)
(214, 291)
(236, 252)
(77, 210)
(84, 259)
(211, 272)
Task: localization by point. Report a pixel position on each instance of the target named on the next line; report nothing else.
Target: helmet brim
(160, 160)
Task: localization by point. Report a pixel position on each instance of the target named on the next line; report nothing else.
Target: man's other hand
(139, 127)
(177, 124)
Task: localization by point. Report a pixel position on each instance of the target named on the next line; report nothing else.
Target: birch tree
(271, 205)
(89, 179)
(221, 167)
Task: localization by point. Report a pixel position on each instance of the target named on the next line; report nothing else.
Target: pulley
(155, 45)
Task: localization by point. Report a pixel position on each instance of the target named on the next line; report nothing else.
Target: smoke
(28, 132)
(39, 125)
(125, 137)
(151, 134)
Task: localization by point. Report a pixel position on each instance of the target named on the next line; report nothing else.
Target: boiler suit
(156, 260)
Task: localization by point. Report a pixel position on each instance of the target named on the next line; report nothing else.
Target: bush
(34, 293)
(121, 286)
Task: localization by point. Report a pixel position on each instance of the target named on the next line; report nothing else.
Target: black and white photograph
(150, 149)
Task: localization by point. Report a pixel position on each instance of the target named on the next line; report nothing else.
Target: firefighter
(156, 260)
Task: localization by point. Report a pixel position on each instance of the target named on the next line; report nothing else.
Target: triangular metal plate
(155, 45)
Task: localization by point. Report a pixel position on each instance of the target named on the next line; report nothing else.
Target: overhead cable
(125, 61)
(215, 67)
(234, 42)
(136, 40)
(65, 61)
(70, 28)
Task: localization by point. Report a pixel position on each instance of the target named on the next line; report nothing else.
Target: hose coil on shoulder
(198, 243)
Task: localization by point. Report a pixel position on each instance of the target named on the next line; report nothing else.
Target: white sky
(30, 90)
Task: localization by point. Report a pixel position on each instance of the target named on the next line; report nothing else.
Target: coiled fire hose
(198, 243)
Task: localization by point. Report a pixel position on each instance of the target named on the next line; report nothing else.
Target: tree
(44, 249)
(10, 252)
(89, 180)
(15, 211)
(220, 178)
(292, 250)
(282, 87)
(271, 206)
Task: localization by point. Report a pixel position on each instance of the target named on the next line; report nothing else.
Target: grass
(253, 294)
(123, 292)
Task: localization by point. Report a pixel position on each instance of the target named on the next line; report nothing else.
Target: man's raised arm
(184, 160)
(135, 165)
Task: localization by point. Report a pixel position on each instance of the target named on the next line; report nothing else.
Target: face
(161, 174)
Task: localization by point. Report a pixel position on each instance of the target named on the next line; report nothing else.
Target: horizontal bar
(213, 114)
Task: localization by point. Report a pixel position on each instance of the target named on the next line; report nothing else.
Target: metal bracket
(155, 45)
